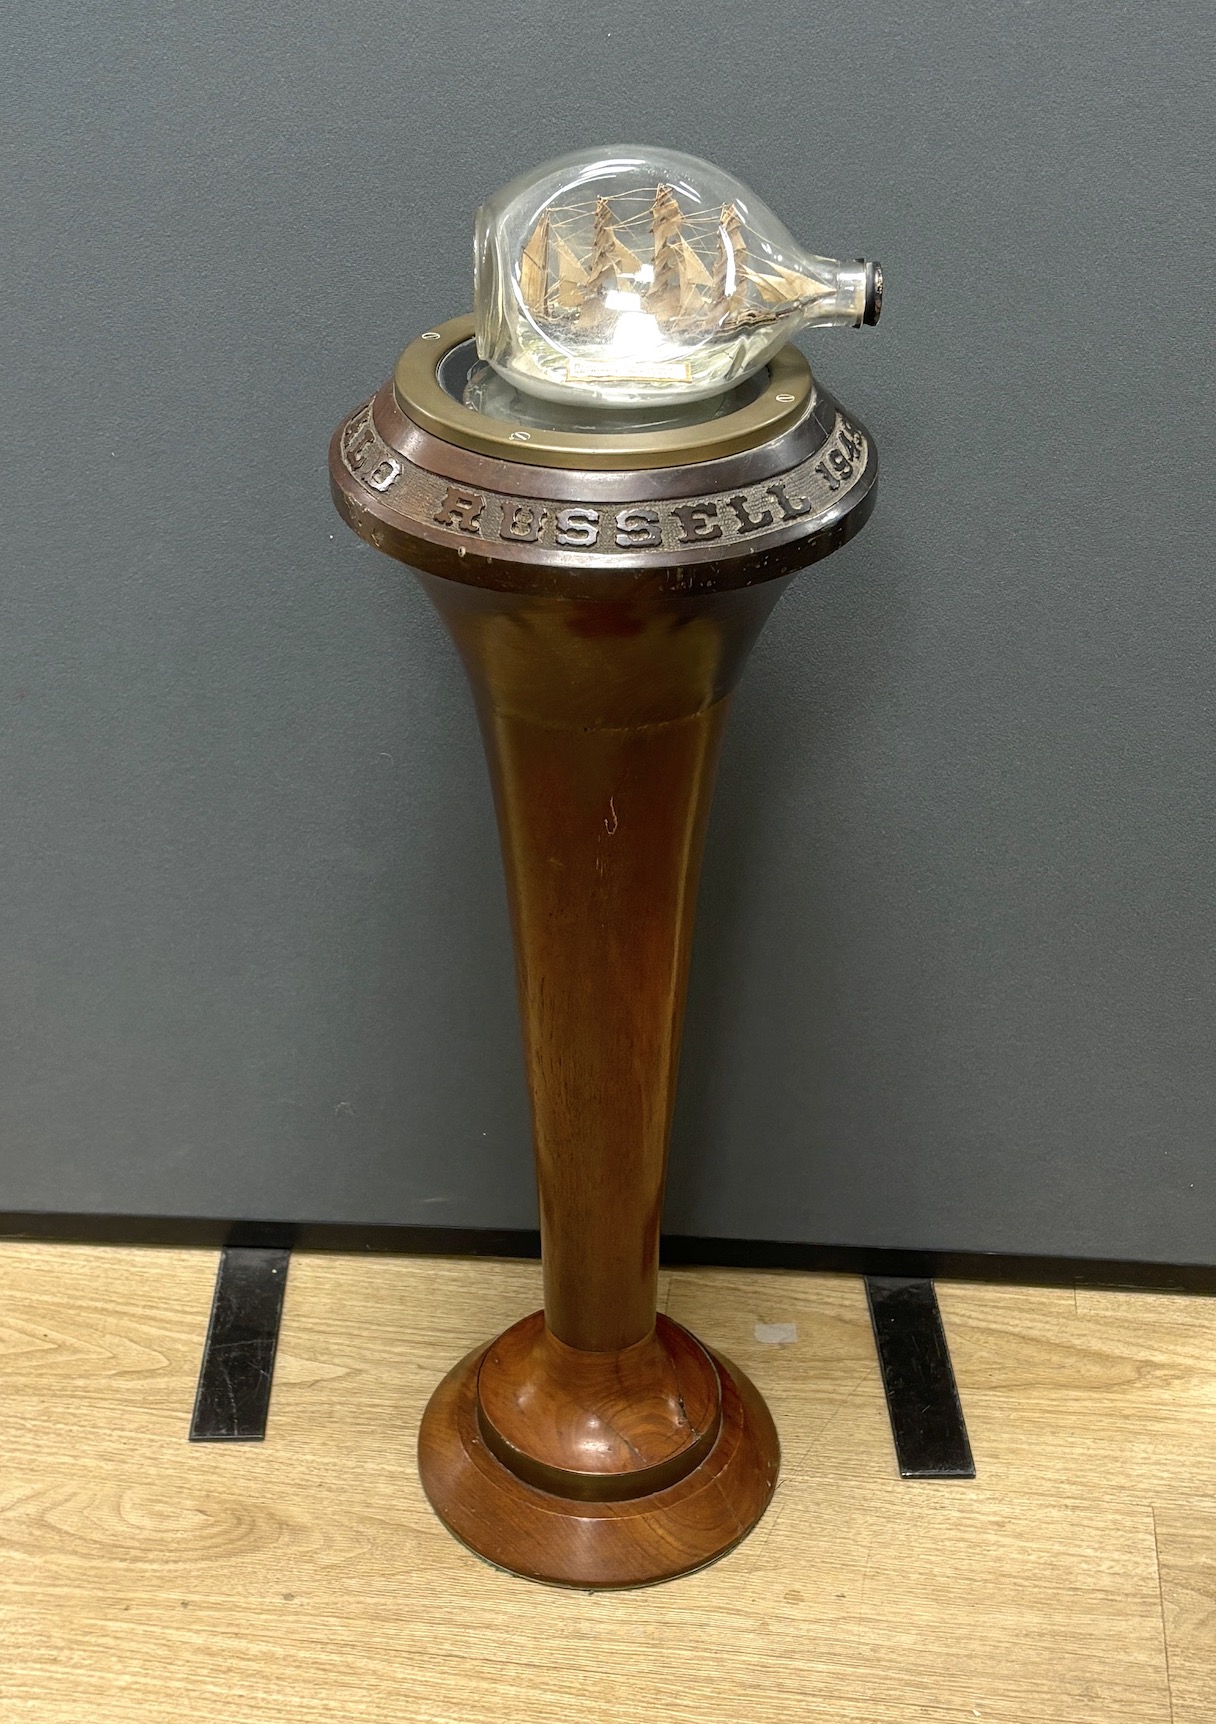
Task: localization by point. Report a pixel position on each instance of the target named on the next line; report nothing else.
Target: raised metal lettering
(792, 509)
(460, 509)
(578, 528)
(637, 528)
(522, 522)
(381, 477)
(357, 441)
(747, 522)
(697, 522)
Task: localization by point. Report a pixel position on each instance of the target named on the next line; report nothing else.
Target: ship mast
(571, 278)
(534, 268)
(729, 289)
(666, 292)
(610, 263)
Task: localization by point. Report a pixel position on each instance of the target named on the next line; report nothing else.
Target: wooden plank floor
(144, 1581)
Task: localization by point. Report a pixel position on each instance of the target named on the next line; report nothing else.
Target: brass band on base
(705, 524)
(420, 394)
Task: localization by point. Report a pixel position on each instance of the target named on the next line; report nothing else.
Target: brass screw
(521, 436)
(785, 397)
(432, 335)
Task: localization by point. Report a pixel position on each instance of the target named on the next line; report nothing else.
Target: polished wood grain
(598, 1425)
(602, 720)
(146, 1581)
(640, 1530)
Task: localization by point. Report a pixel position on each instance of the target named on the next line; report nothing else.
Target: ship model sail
(699, 281)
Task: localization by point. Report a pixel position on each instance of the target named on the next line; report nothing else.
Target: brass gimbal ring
(420, 394)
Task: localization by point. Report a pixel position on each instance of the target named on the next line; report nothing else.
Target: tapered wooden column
(595, 1443)
(602, 722)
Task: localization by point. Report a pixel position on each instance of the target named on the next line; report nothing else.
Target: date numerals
(839, 467)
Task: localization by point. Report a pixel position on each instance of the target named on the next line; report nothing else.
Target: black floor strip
(922, 1396)
(238, 1359)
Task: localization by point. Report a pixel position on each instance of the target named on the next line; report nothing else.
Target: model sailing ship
(698, 283)
(628, 278)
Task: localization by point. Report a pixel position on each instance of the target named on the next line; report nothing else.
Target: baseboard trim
(678, 1250)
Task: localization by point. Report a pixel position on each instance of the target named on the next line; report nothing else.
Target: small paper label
(776, 1334)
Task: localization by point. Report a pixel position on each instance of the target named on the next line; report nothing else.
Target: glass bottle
(622, 277)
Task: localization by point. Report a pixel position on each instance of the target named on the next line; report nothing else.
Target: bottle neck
(846, 296)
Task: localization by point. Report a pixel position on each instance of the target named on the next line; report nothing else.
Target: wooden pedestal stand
(604, 593)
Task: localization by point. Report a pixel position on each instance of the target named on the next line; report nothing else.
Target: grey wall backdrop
(953, 984)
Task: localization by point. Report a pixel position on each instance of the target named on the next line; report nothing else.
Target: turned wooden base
(597, 1469)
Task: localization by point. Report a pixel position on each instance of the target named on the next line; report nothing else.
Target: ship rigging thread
(699, 279)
